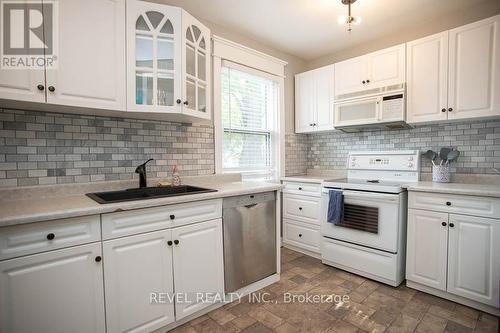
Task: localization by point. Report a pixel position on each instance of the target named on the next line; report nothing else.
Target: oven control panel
(390, 161)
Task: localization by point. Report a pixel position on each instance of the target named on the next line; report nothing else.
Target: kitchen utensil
(452, 156)
(430, 155)
(443, 154)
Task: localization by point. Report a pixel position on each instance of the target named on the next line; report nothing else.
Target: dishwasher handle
(250, 206)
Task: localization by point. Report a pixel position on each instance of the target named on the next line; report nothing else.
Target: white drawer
(302, 188)
(20, 240)
(301, 235)
(301, 208)
(137, 221)
(458, 204)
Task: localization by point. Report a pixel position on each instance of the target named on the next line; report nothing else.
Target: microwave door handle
(379, 109)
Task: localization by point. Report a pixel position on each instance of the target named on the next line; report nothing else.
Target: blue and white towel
(335, 207)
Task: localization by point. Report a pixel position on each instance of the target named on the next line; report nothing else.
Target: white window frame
(257, 63)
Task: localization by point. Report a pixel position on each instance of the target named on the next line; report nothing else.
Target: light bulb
(357, 20)
(342, 19)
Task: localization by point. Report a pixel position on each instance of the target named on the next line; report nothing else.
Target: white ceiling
(308, 28)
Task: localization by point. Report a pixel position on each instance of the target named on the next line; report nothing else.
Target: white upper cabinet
(474, 75)
(196, 67)
(374, 70)
(153, 57)
(474, 258)
(314, 100)
(91, 57)
(168, 60)
(455, 74)
(427, 61)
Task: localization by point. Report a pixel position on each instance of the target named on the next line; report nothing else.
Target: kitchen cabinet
(135, 267)
(455, 74)
(301, 221)
(198, 265)
(427, 248)
(452, 250)
(168, 60)
(314, 100)
(474, 257)
(427, 61)
(90, 71)
(371, 71)
(57, 291)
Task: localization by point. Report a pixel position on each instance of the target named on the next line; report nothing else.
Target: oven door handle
(367, 195)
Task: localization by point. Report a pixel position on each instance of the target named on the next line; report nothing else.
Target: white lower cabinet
(180, 262)
(456, 255)
(58, 292)
(474, 258)
(135, 267)
(427, 248)
(198, 264)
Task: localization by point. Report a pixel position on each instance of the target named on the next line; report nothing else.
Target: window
(249, 112)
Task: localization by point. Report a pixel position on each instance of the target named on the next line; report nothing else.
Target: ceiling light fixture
(349, 20)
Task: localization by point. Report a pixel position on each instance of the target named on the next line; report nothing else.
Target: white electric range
(371, 238)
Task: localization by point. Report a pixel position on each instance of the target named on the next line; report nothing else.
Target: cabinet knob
(300, 235)
(443, 224)
(172, 217)
(363, 81)
(451, 225)
(300, 188)
(52, 88)
(367, 81)
(300, 208)
(169, 243)
(450, 109)
(176, 242)
(178, 101)
(98, 259)
(40, 87)
(448, 203)
(51, 236)
(443, 110)
(186, 103)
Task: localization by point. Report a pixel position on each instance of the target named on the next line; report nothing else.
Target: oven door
(370, 219)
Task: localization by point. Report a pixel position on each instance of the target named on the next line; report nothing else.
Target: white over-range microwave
(382, 108)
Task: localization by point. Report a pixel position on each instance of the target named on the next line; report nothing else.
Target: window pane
(202, 98)
(167, 28)
(165, 53)
(144, 88)
(246, 151)
(140, 24)
(144, 51)
(155, 18)
(201, 66)
(165, 90)
(190, 61)
(191, 94)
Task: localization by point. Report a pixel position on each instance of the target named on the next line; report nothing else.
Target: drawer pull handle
(451, 225)
(300, 208)
(169, 243)
(252, 196)
(172, 217)
(300, 235)
(448, 203)
(51, 236)
(176, 242)
(443, 224)
(98, 259)
(300, 188)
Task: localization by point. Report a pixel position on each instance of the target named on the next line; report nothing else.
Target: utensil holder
(441, 173)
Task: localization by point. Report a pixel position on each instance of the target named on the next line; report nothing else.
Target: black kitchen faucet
(141, 170)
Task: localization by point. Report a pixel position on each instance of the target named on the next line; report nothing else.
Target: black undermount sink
(146, 193)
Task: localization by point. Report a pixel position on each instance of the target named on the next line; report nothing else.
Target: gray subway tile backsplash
(39, 148)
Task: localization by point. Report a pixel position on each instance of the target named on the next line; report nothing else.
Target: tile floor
(373, 307)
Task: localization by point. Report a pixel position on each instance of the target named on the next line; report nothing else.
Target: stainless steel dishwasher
(249, 239)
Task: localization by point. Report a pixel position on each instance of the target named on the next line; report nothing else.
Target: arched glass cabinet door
(154, 59)
(196, 67)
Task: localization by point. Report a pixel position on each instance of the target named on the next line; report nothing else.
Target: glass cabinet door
(196, 67)
(155, 56)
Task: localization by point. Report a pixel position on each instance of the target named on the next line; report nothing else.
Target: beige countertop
(456, 188)
(305, 179)
(15, 210)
